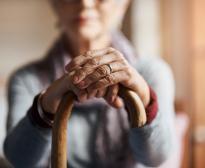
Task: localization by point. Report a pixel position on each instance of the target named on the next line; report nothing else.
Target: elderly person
(100, 59)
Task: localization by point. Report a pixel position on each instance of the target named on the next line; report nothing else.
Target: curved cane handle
(134, 106)
(132, 101)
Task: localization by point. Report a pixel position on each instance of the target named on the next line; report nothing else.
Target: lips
(83, 20)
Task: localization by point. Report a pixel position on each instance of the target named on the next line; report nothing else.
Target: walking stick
(134, 107)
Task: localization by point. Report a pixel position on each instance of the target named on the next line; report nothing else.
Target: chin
(88, 35)
(89, 32)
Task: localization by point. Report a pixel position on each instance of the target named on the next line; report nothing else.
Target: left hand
(99, 70)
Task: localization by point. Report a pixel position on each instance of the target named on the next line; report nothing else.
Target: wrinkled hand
(100, 72)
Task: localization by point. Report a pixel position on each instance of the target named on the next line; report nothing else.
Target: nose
(88, 3)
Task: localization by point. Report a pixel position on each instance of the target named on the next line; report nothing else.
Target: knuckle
(73, 64)
(111, 49)
(88, 53)
(109, 79)
(82, 73)
(126, 69)
(119, 54)
(71, 73)
(124, 62)
(86, 70)
(93, 77)
(128, 72)
(113, 79)
(102, 70)
(93, 62)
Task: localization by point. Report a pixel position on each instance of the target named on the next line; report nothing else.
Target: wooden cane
(134, 107)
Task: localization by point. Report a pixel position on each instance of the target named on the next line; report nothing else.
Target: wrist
(35, 117)
(47, 117)
(42, 102)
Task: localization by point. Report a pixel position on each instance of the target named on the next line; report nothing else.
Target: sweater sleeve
(153, 143)
(26, 145)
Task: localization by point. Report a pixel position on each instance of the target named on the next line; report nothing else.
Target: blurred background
(172, 29)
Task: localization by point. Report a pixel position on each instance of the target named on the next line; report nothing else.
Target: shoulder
(27, 71)
(27, 77)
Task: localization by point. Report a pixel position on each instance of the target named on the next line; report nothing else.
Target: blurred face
(88, 19)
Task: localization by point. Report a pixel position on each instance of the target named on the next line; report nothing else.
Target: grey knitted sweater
(98, 135)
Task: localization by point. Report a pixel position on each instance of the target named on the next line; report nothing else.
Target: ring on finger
(109, 66)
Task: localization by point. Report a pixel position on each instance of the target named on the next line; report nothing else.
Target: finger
(82, 96)
(88, 68)
(92, 93)
(102, 59)
(94, 53)
(101, 92)
(92, 64)
(118, 103)
(76, 62)
(114, 78)
(112, 93)
(80, 60)
(81, 73)
(99, 73)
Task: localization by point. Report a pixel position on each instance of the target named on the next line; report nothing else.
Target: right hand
(52, 97)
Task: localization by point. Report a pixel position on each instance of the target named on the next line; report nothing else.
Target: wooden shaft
(136, 113)
(59, 134)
